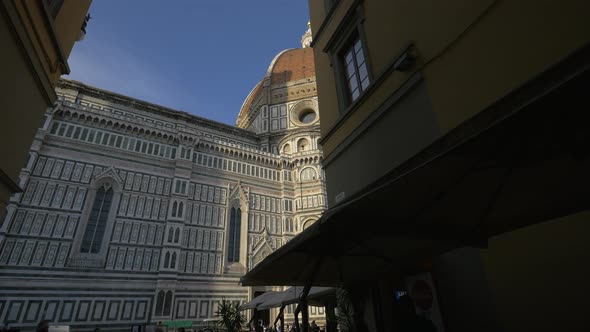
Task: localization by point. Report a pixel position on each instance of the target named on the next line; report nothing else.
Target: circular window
(304, 113)
(307, 116)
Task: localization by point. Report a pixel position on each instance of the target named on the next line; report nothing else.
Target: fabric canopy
(272, 299)
(316, 297)
(261, 298)
(497, 172)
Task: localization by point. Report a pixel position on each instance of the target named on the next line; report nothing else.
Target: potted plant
(229, 316)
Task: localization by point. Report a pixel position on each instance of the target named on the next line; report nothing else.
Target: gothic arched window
(180, 208)
(97, 221)
(167, 260)
(233, 249)
(168, 303)
(159, 303)
(174, 209)
(173, 262)
(170, 234)
(177, 235)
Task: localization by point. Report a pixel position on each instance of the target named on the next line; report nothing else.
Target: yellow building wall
(389, 26)
(34, 51)
(22, 105)
(326, 88)
(68, 23)
(471, 53)
(539, 275)
(511, 44)
(317, 14)
(326, 85)
(38, 29)
(52, 40)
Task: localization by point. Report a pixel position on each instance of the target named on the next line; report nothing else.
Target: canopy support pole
(296, 316)
(304, 313)
(280, 317)
(331, 321)
(305, 292)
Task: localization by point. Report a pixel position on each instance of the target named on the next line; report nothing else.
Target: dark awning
(523, 161)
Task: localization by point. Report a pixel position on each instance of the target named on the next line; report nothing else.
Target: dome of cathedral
(289, 68)
(291, 65)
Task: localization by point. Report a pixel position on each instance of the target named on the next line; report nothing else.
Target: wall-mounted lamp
(407, 59)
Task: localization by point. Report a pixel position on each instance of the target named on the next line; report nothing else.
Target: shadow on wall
(281, 77)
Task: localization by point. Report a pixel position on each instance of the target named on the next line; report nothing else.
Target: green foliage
(229, 315)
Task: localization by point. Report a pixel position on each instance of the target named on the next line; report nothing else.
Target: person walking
(314, 327)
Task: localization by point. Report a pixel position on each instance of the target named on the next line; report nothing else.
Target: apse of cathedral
(134, 213)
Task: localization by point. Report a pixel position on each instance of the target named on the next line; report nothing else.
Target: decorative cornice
(153, 108)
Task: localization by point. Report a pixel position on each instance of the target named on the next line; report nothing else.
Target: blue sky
(198, 56)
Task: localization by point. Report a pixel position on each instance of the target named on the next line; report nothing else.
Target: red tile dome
(288, 66)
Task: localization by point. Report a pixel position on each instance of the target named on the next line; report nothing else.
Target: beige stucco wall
(34, 53)
(68, 22)
(512, 43)
(403, 129)
(470, 52)
(538, 276)
(22, 105)
(52, 40)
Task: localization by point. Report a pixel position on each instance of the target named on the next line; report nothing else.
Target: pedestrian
(259, 327)
(314, 327)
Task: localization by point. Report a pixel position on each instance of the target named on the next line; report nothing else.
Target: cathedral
(133, 213)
